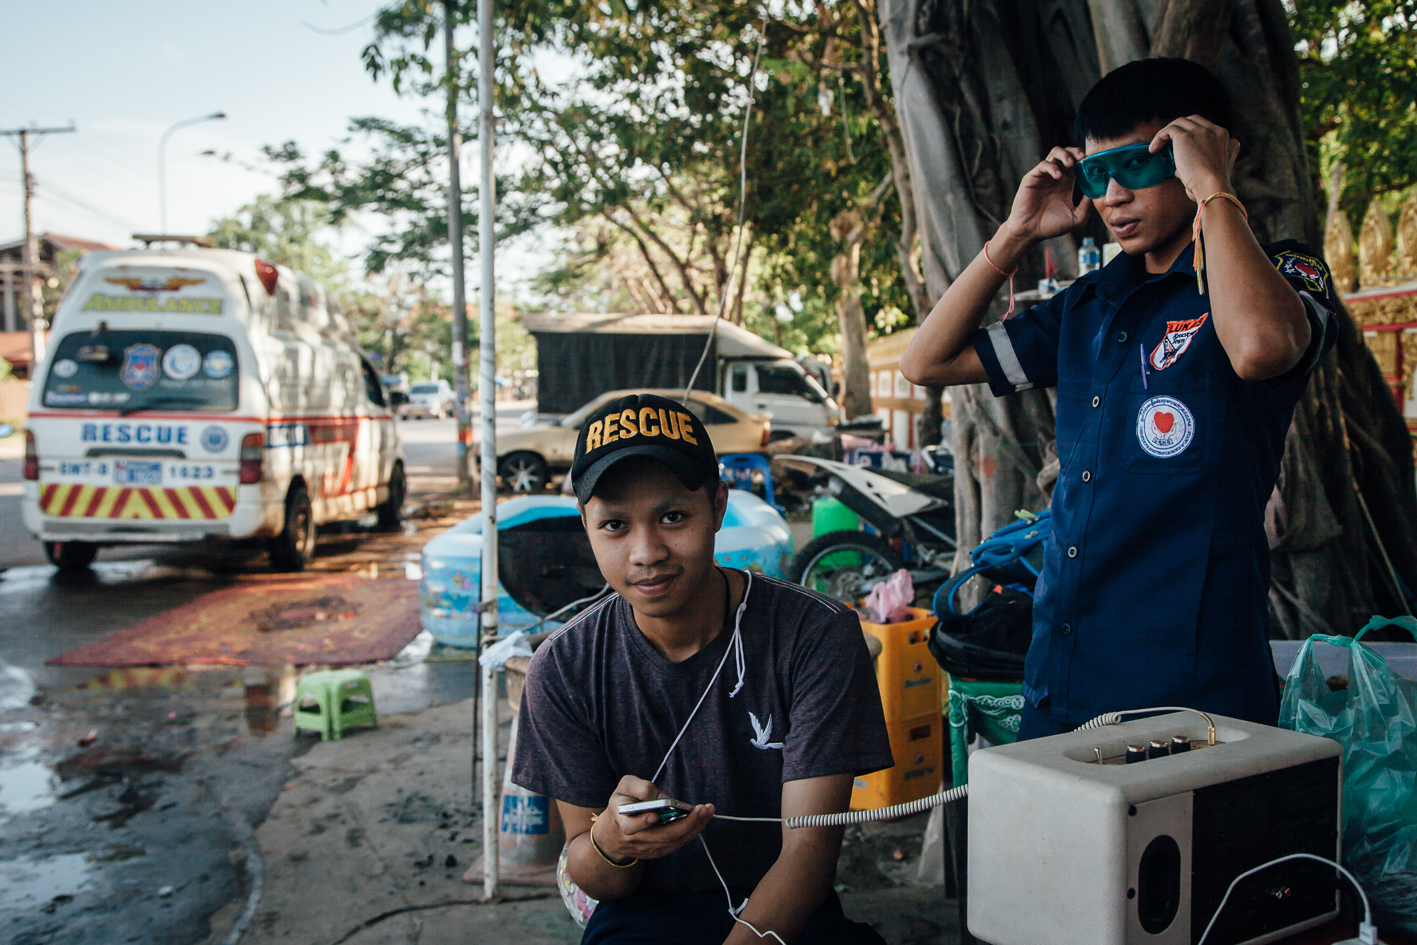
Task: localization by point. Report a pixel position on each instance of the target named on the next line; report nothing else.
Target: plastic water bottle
(1089, 257)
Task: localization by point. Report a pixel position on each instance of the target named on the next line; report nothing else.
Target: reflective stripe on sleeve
(1008, 360)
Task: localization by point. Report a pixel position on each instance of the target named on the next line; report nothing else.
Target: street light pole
(486, 94)
(162, 165)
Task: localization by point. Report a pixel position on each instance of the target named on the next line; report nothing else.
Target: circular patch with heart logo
(1165, 427)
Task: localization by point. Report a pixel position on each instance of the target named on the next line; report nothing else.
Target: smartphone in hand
(667, 809)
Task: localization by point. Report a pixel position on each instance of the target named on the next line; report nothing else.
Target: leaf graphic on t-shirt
(763, 733)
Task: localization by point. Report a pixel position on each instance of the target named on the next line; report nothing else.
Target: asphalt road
(141, 841)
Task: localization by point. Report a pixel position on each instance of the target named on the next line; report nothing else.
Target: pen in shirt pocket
(1141, 348)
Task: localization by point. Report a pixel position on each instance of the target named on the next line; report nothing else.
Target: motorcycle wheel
(844, 565)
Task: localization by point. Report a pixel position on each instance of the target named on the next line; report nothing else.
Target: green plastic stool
(330, 701)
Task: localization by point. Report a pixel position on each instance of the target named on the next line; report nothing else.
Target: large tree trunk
(979, 104)
(849, 229)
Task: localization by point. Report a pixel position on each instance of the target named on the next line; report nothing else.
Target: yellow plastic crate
(908, 676)
(918, 748)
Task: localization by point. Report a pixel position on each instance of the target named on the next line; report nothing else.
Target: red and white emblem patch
(1175, 342)
(1306, 269)
(1165, 427)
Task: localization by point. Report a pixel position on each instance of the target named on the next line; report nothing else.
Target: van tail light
(253, 454)
(31, 456)
(767, 432)
(268, 275)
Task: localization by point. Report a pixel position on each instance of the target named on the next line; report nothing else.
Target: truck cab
(798, 403)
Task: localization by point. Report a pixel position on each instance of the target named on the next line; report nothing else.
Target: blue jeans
(703, 919)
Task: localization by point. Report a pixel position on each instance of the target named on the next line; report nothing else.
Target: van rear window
(143, 370)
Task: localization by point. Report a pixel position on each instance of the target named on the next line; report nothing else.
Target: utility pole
(455, 240)
(31, 255)
(487, 245)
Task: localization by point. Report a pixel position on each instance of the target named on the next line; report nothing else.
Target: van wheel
(70, 555)
(523, 472)
(391, 511)
(293, 548)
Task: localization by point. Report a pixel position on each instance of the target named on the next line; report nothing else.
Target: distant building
(14, 303)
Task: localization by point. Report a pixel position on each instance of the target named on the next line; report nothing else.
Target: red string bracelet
(1198, 239)
(1010, 275)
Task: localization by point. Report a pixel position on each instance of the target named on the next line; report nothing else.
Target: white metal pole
(162, 164)
(488, 343)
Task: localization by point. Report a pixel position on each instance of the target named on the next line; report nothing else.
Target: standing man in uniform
(736, 693)
(1177, 368)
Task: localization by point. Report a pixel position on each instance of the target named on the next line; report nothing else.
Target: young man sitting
(738, 694)
(1177, 368)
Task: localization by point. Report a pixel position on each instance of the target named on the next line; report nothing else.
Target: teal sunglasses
(1134, 166)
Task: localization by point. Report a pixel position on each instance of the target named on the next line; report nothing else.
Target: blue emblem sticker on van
(217, 364)
(214, 439)
(139, 370)
(181, 362)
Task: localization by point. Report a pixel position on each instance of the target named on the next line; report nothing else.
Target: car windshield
(423, 389)
(791, 380)
(143, 369)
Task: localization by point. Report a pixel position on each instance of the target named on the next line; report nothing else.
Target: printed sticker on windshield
(181, 362)
(139, 370)
(218, 364)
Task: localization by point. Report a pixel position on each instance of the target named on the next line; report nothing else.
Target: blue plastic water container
(754, 537)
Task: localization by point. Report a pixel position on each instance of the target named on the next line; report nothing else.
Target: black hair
(1149, 90)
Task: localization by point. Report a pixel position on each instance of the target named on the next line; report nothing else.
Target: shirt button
(1086, 475)
(1065, 629)
(1073, 551)
(1121, 337)
(1097, 401)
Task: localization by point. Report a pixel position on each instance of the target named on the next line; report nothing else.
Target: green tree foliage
(289, 232)
(1358, 78)
(625, 124)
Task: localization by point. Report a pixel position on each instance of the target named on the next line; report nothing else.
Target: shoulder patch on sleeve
(1301, 267)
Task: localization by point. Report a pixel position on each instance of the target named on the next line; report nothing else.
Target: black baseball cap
(643, 425)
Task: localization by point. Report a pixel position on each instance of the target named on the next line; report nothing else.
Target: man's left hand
(1205, 155)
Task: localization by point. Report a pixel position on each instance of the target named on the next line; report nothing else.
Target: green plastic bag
(1375, 720)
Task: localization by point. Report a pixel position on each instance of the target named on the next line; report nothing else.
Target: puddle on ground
(29, 881)
(16, 688)
(26, 786)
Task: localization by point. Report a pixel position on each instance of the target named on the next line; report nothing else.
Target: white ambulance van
(201, 394)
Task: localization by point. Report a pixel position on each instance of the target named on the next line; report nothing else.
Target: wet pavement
(126, 795)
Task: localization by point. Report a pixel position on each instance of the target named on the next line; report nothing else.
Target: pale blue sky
(126, 71)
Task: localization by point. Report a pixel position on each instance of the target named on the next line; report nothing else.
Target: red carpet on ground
(270, 621)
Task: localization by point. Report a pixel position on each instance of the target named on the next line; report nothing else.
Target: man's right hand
(641, 836)
(1043, 207)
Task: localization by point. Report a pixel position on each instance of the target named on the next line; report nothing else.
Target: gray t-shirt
(600, 703)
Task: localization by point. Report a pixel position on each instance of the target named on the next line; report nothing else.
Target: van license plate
(128, 473)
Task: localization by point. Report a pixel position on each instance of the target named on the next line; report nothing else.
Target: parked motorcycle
(914, 520)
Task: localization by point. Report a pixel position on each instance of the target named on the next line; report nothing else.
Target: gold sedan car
(527, 458)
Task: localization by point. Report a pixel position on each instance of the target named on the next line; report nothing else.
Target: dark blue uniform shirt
(1155, 578)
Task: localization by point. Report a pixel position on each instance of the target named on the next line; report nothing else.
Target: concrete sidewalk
(369, 840)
